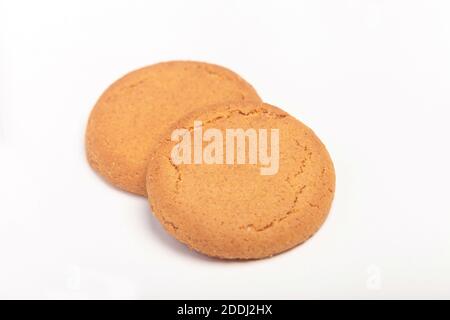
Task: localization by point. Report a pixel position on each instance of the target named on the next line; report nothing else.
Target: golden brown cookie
(231, 210)
(133, 112)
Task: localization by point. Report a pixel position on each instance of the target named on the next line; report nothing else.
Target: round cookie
(233, 211)
(133, 112)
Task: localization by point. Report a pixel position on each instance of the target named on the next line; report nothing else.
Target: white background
(372, 78)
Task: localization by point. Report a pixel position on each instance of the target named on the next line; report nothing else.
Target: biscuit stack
(224, 210)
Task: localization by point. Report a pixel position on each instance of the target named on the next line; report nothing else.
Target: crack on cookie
(135, 84)
(177, 169)
(312, 205)
(169, 223)
(230, 113)
(278, 220)
(298, 192)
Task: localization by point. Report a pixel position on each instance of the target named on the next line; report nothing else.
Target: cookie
(230, 206)
(132, 113)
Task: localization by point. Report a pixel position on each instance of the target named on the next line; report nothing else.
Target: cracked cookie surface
(231, 211)
(130, 116)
